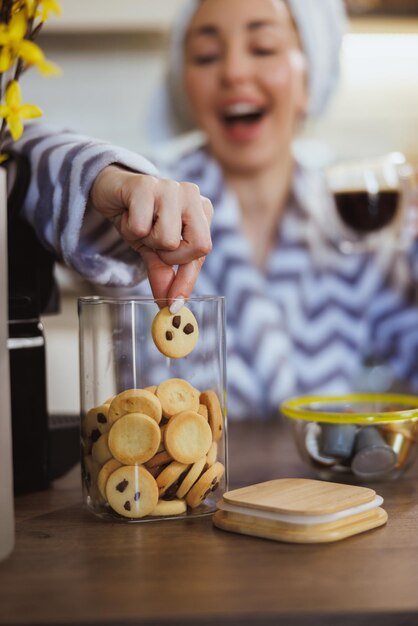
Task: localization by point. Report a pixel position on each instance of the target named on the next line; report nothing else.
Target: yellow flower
(13, 111)
(31, 6)
(47, 7)
(14, 45)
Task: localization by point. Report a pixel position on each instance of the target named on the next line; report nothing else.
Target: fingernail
(176, 306)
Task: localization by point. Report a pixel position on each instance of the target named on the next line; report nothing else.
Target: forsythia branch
(20, 24)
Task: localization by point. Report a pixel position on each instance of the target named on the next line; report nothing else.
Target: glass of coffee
(371, 203)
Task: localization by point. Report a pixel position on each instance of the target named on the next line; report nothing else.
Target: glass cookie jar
(153, 427)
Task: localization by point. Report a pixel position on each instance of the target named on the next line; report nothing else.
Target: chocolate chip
(122, 485)
(188, 329)
(137, 496)
(169, 335)
(205, 495)
(127, 505)
(177, 321)
(101, 418)
(212, 487)
(170, 493)
(95, 435)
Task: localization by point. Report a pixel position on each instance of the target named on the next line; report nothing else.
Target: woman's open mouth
(242, 120)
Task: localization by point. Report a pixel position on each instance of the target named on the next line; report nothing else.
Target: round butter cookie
(107, 469)
(169, 507)
(134, 438)
(161, 458)
(191, 477)
(207, 482)
(211, 401)
(212, 455)
(90, 472)
(167, 479)
(203, 411)
(131, 491)
(95, 422)
(175, 335)
(177, 395)
(100, 450)
(187, 437)
(135, 401)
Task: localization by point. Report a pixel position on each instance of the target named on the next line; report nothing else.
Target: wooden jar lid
(247, 510)
(300, 496)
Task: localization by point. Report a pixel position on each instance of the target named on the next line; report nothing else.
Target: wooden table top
(70, 568)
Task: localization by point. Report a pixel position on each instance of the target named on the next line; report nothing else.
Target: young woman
(301, 317)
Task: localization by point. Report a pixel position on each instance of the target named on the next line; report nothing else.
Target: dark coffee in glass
(367, 212)
(370, 203)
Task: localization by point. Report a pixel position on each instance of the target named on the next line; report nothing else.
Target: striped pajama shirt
(307, 324)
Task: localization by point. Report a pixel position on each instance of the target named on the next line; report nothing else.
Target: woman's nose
(236, 66)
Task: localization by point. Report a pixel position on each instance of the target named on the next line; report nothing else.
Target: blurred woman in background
(301, 317)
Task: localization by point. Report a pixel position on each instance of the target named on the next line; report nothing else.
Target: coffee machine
(32, 292)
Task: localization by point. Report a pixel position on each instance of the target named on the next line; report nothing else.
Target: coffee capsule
(312, 434)
(401, 438)
(373, 457)
(337, 440)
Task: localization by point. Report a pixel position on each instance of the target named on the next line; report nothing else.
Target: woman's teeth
(242, 113)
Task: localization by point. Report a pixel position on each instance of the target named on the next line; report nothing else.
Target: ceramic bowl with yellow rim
(361, 436)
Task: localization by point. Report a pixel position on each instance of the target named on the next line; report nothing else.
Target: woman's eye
(264, 52)
(205, 59)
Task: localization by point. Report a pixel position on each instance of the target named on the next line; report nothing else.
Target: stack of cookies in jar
(153, 452)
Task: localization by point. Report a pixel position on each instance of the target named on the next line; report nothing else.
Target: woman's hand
(166, 222)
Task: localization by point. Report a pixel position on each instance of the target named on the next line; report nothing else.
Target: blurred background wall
(112, 56)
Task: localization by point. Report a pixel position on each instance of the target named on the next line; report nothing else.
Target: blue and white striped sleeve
(64, 166)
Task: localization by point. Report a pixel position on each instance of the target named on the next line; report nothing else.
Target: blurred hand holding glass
(373, 203)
